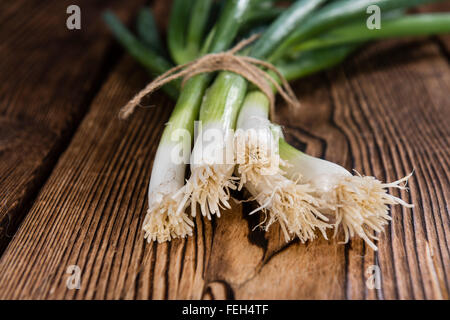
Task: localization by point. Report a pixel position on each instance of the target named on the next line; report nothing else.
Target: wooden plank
(49, 75)
(383, 113)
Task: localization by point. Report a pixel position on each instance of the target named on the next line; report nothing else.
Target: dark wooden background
(73, 178)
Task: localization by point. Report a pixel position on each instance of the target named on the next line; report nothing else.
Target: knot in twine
(247, 67)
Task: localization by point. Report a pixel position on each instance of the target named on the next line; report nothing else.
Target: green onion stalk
(357, 204)
(165, 218)
(283, 200)
(306, 193)
(212, 175)
(301, 205)
(302, 193)
(411, 25)
(211, 165)
(147, 31)
(164, 221)
(210, 183)
(292, 204)
(150, 59)
(336, 14)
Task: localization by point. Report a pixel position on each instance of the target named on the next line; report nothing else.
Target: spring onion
(152, 61)
(359, 203)
(301, 193)
(337, 13)
(179, 19)
(166, 218)
(266, 194)
(291, 204)
(411, 25)
(147, 30)
(209, 183)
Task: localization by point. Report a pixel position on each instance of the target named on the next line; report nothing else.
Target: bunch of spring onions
(236, 145)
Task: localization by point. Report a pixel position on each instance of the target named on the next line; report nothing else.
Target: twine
(247, 67)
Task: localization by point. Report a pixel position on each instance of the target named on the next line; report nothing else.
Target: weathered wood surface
(384, 113)
(49, 75)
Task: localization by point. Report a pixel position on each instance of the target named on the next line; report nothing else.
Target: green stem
(223, 100)
(197, 24)
(153, 63)
(313, 61)
(414, 25)
(337, 13)
(261, 14)
(283, 26)
(279, 29)
(229, 23)
(288, 152)
(188, 105)
(147, 30)
(176, 33)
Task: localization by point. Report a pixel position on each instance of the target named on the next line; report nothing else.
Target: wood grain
(385, 113)
(49, 75)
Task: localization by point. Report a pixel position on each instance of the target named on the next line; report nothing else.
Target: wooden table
(73, 177)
